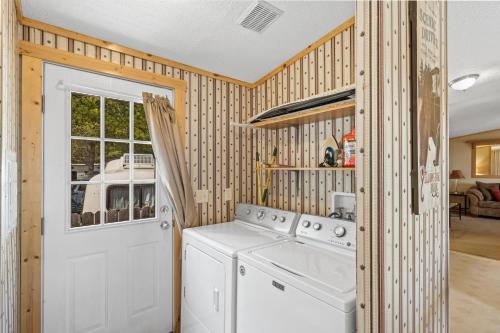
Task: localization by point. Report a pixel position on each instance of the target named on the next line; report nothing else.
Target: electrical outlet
(228, 194)
(201, 196)
(332, 201)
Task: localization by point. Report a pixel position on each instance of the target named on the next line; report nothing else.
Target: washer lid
(233, 236)
(332, 269)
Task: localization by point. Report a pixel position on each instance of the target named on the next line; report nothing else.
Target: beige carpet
(476, 236)
(474, 294)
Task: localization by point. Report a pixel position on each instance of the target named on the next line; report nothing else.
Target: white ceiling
(473, 47)
(198, 33)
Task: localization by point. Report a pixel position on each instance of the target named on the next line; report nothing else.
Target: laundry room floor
(474, 294)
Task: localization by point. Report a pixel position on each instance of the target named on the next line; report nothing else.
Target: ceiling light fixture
(464, 82)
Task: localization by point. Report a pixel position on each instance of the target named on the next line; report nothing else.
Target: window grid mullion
(85, 138)
(85, 182)
(116, 140)
(131, 161)
(142, 142)
(102, 207)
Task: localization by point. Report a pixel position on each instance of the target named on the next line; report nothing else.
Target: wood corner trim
(348, 23)
(19, 10)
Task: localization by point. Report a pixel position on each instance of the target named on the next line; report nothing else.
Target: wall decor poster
(426, 96)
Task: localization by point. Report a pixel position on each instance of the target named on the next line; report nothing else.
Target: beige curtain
(169, 153)
(495, 161)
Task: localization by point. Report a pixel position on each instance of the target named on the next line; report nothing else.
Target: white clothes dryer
(210, 259)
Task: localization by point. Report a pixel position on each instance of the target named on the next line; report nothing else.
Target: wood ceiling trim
(126, 50)
(122, 49)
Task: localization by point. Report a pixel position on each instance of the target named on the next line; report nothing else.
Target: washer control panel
(328, 230)
(274, 219)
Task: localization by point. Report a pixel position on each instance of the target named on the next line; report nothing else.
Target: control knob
(282, 219)
(339, 231)
(317, 226)
(260, 214)
(306, 224)
(274, 217)
(248, 211)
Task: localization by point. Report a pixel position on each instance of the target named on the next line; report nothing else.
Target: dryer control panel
(328, 230)
(270, 218)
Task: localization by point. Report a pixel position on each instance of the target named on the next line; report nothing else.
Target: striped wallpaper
(402, 257)
(221, 157)
(412, 272)
(217, 152)
(9, 224)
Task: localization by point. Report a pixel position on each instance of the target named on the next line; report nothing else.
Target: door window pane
(116, 119)
(85, 204)
(85, 115)
(117, 203)
(85, 160)
(144, 201)
(141, 131)
(116, 159)
(144, 162)
(101, 190)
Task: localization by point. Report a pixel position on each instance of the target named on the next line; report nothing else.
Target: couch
(480, 206)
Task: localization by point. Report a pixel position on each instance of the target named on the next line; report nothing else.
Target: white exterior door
(107, 241)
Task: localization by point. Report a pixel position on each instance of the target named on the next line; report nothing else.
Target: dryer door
(203, 299)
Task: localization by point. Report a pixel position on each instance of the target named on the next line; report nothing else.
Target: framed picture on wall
(426, 94)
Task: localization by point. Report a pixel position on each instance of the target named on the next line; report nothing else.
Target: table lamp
(456, 175)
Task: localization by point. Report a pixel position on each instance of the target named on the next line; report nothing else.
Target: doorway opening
(474, 167)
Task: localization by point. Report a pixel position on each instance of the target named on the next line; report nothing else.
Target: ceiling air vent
(259, 16)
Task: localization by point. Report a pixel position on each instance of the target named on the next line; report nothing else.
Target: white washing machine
(210, 259)
(302, 284)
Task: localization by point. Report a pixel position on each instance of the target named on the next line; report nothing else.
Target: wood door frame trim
(31, 194)
(49, 54)
(32, 59)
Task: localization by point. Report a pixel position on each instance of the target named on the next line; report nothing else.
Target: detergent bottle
(349, 149)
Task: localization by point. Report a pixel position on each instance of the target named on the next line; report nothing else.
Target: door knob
(164, 225)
